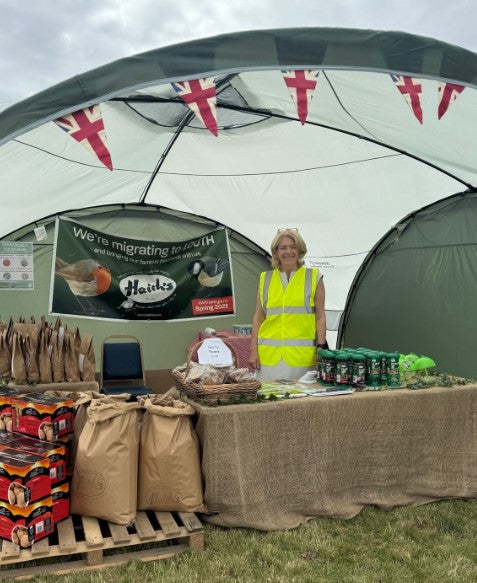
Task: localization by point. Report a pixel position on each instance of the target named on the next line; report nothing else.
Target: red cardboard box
(24, 526)
(54, 451)
(60, 495)
(67, 441)
(24, 478)
(6, 395)
(6, 437)
(42, 416)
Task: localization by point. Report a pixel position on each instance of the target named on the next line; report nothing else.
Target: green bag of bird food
(169, 458)
(104, 481)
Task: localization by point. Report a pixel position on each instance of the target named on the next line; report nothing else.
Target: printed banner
(16, 265)
(101, 276)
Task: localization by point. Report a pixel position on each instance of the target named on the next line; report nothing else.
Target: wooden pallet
(85, 543)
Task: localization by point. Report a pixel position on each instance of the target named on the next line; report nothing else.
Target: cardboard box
(67, 441)
(24, 478)
(6, 395)
(54, 451)
(60, 495)
(42, 416)
(24, 526)
(6, 437)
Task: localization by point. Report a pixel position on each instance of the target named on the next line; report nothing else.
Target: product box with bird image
(54, 451)
(6, 395)
(60, 496)
(69, 442)
(6, 437)
(41, 416)
(24, 478)
(24, 526)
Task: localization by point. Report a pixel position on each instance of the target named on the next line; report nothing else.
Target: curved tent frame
(294, 48)
(357, 166)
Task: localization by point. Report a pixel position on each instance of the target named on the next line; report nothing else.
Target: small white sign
(40, 233)
(214, 351)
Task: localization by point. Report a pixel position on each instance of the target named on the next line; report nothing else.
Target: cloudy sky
(43, 42)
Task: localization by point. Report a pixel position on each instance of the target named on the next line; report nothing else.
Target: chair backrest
(122, 360)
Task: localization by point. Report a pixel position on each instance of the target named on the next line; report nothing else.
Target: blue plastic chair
(122, 369)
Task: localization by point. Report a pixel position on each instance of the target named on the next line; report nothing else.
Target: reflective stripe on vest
(305, 309)
(298, 321)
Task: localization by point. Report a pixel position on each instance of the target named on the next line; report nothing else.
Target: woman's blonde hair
(297, 238)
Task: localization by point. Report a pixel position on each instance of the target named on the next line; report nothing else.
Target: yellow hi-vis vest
(289, 329)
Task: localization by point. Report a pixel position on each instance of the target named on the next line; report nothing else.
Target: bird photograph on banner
(86, 278)
(209, 272)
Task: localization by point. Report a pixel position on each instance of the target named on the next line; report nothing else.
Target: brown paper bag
(82, 400)
(18, 361)
(86, 359)
(5, 356)
(31, 363)
(169, 459)
(44, 358)
(57, 358)
(104, 481)
(72, 374)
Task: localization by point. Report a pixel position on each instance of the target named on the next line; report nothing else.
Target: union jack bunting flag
(448, 93)
(86, 127)
(411, 90)
(200, 96)
(301, 85)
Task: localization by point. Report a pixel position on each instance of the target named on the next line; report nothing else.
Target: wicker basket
(214, 394)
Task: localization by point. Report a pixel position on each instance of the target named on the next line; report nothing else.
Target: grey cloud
(47, 41)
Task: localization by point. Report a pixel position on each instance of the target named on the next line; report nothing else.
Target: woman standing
(289, 321)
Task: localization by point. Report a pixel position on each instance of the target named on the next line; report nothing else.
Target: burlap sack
(169, 459)
(104, 481)
(18, 368)
(44, 358)
(5, 356)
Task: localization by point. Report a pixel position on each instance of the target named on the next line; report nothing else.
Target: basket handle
(198, 345)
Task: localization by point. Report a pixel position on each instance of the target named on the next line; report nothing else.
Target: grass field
(435, 543)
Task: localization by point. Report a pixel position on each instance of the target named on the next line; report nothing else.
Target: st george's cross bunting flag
(200, 96)
(86, 126)
(448, 93)
(411, 90)
(301, 85)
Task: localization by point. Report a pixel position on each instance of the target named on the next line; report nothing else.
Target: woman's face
(287, 254)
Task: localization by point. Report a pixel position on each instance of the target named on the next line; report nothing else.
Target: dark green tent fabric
(418, 290)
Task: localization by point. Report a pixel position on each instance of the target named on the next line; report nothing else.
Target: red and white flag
(200, 96)
(448, 93)
(86, 127)
(411, 90)
(301, 85)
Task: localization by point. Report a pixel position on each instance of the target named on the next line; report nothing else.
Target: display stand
(153, 536)
(68, 387)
